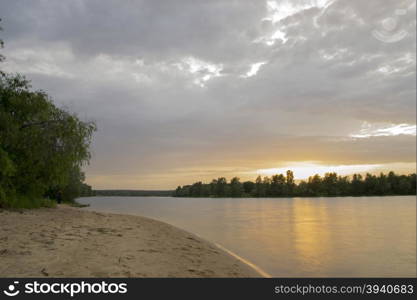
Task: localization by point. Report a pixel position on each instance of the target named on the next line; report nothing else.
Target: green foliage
(316, 186)
(74, 188)
(42, 147)
(236, 187)
(20, 201)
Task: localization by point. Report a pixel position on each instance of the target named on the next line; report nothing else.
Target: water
(294, 237)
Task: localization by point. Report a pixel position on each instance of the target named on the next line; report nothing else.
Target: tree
(236, 187)
(41, 145)
(302, 189)
(290, 183)
(403, 185)
(178, 192)
(412, 180)
(315, 185)
(330, 187)
(248, 187)
(278, 186)
(343, 186)
(266, 182)
(213, 187)
(356, 185)
(259, 187)
(75, 187)
(370, 184)
(221, 187)
(383, 187)
(283, 186)
(196, 190)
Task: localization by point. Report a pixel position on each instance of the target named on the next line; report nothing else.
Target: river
(294, 237)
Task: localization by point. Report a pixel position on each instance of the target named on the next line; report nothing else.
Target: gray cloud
(164, 80)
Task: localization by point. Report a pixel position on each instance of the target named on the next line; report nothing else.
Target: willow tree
(42, 147)
(40, 144)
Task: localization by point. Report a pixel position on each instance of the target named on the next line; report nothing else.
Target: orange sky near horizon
(302, 170)
(188, 91)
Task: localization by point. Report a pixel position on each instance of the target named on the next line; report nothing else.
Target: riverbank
(70, 242)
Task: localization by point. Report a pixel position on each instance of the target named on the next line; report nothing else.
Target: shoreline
(71, 242)
(252, 197)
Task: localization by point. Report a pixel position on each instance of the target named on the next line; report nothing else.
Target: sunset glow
(305, 170)
(197, 91)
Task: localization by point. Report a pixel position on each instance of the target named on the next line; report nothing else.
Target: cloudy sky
(190, 90)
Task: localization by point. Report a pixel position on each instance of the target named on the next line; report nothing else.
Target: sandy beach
(71, 242)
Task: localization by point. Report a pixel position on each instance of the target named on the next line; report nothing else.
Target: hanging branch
(41, 123)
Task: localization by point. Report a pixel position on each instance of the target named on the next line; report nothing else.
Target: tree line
(282, 185)
(133, 193)
(42, 147)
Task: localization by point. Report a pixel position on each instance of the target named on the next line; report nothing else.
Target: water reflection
(311, 234)
(335, 237)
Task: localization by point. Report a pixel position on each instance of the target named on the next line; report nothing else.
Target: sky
(183, 91)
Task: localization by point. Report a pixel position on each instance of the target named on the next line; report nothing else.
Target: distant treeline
(316, 186)
(137, 193)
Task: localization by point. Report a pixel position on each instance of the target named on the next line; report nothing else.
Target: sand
(70, 242)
